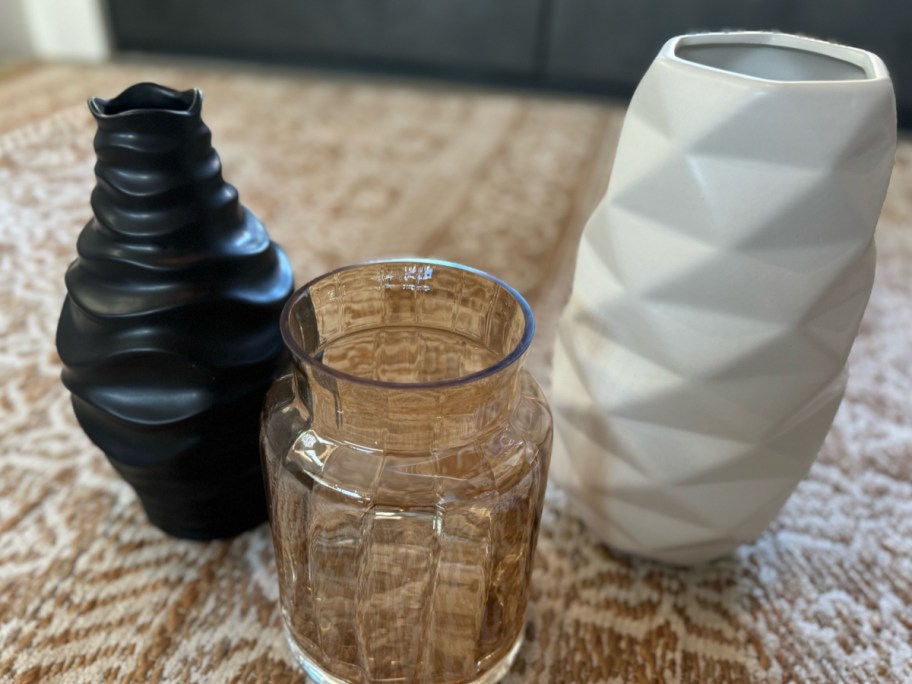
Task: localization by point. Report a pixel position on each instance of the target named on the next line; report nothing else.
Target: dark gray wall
(596, 45)
(484, 36)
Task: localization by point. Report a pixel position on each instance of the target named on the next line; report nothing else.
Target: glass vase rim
(517, 353)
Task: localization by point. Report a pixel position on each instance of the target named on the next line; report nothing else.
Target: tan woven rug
(342, 170)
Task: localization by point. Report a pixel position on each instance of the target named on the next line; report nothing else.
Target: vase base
(203, 511)
(231, 525)
(318, 675)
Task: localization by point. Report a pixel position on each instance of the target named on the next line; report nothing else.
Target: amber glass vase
(406, 455)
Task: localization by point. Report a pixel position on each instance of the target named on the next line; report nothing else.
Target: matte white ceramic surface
(718, 289)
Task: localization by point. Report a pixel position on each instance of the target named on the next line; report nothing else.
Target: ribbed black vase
(169, 334)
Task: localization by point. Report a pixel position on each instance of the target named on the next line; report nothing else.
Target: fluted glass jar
(406, 455)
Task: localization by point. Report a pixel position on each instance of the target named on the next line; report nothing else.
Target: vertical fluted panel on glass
(406, 460)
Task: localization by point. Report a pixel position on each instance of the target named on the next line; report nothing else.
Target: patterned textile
(344, 169)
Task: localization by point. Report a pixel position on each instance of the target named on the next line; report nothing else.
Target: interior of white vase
(771, 62)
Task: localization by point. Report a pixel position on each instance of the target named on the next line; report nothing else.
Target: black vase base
(207, 510)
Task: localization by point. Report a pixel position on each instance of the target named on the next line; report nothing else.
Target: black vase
(169, 334)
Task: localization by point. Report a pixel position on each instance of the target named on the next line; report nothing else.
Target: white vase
(719, 286)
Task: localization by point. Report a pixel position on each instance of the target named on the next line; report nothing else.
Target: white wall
(15, 39)
(54, 29)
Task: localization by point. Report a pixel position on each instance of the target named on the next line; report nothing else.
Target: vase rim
(184, 103)
(517, 353)
(867, 62)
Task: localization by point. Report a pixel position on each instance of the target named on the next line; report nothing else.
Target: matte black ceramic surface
(169, 334)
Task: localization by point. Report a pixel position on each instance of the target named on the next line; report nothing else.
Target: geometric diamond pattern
(719, 286)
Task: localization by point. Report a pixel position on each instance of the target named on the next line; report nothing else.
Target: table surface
(343, 169)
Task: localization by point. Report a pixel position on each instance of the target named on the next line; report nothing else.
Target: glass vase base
(316, 674)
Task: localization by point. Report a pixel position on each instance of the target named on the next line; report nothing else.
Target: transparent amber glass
(406, 456)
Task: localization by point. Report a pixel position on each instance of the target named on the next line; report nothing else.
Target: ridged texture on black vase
(169, 335)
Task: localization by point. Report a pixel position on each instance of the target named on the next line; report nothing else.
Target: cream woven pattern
(342, 170)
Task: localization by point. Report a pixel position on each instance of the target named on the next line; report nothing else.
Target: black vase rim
(147, 98)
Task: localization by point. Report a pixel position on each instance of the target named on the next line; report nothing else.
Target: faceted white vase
(718, 289)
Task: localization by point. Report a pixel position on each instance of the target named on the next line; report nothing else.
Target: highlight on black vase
(169, 333)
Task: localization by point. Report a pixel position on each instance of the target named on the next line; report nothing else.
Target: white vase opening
(776, 57)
